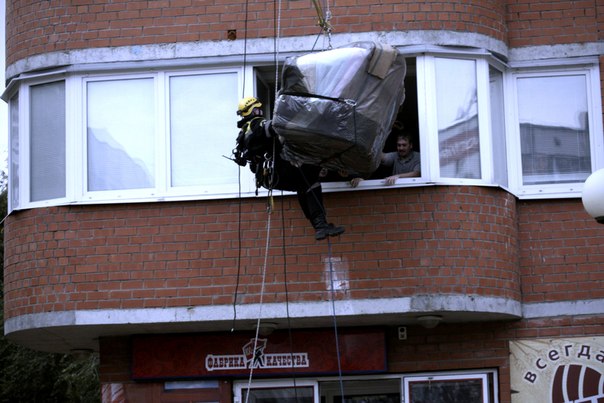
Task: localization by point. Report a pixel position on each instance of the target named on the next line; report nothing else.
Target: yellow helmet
(247, 105)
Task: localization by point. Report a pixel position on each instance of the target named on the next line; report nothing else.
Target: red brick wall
(37, 27)
(539, 22)
(562, 251)
(399, 242)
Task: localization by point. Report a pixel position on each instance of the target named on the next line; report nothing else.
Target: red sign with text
(236, 354)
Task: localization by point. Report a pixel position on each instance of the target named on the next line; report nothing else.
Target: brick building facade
(131, 237)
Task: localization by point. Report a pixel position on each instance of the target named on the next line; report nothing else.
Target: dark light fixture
(429, 321)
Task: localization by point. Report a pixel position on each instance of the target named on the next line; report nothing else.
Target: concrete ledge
(565, 308)
(64, 331)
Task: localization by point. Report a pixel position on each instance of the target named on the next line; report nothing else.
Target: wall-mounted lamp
(429, 321)
(593, 195)
(266, 328)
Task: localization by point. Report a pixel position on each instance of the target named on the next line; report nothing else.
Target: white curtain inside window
(121, 134)
(14, 152)
(47, 141)
(457, 117)
(554, 132)
(203, 129)
(498, 127)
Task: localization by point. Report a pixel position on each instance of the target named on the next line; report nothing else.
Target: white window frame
(24, 137)
(240, 386)
(589, 68)
(162, 188)
(81, 139)
(484, 122)
(485, 375)
(428, 126)
(76, 78)
(482, 376)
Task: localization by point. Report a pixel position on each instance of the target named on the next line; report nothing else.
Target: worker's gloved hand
(239, 158)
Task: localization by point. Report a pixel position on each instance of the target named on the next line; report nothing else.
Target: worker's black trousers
(303, 180)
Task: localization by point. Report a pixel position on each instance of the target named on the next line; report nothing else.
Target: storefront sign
(236, 354)
(557, 370)
(254, 356)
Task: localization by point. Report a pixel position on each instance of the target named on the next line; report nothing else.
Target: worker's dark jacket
(257, 143)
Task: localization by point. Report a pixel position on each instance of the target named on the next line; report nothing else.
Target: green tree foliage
(30, 376)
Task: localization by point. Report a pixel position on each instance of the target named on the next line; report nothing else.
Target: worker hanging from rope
(259, 145)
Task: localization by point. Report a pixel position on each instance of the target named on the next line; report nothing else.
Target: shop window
(279, 395)
(450, 387)
(361, 391)
(277, 391)
(447, 389)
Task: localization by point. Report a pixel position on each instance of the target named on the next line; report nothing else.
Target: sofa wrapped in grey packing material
(336, 108)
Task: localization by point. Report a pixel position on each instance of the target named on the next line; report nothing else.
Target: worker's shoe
(323, 230)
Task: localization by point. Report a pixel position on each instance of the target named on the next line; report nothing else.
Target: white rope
(328, 23)
(266, 249)
(277, 45)
(335, 321)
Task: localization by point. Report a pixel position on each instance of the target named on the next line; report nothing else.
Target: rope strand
(266, 250)
(335, 321)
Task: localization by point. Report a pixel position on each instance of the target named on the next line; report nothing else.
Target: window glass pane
(498, 127)
(279, 395)
(203, 129)
(47, 141)
(121, 139)
(446, 391)
(554, 132)
(362, 391)
(457, 117)
(14, 152)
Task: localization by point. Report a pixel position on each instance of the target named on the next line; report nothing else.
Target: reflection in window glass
(498, 126)
(554, 132)
(279, 395)
(446, 391)
(457, 115)
(201, 107)
(362, 391)
(47, 147)
(121, 143)
(14, 152)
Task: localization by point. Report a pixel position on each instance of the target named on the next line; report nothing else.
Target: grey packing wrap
(336, 108)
